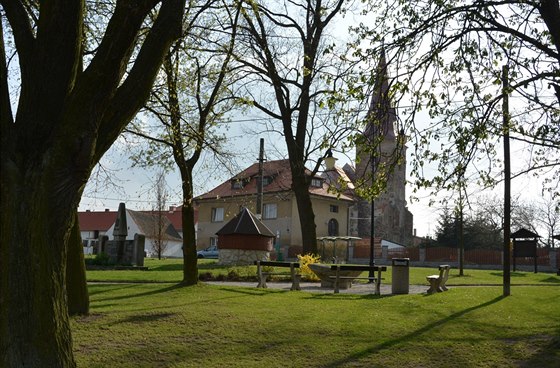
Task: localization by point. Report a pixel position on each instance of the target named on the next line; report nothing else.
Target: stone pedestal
(242, 256)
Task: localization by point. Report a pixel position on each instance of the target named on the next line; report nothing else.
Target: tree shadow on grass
(144, 318)
(552, 280)
(141, 294)
(547, 355)
(103, 290)
(253, 291)
(411, 335)
(512, 274)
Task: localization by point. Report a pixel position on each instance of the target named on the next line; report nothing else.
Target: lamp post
(372, 221)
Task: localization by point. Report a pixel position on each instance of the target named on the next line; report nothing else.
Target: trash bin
(400, 279)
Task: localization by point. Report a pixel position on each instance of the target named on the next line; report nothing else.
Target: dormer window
(266, 180)
(238, 183)
(316, 182)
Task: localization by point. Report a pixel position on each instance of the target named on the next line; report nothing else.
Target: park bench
(437, 282)
(263, 275)
(346, 267)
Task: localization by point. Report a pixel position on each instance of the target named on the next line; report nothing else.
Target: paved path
(312, 287)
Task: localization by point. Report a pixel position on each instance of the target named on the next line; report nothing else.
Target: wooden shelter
(524, 245)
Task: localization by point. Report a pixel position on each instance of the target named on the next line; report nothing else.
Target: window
(316, 182)
(270, 211)
(333, 227)
(237, 184)
(217, 214)
(334, 208)
(266, 180)
(213, 242)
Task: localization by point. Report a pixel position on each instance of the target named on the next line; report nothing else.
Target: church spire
(381, 115)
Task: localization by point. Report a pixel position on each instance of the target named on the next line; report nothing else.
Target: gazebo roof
(245, 223)
(524, 233)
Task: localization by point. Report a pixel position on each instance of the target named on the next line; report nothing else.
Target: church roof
(381, 114)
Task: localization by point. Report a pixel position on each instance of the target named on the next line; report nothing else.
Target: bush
(304, 262)
(101, 259)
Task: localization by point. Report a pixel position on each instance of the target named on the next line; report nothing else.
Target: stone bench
(346, 267)
(437, 282)
(263, 275)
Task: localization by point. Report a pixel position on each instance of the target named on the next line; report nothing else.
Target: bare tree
(292, 75)
(548, 216)
(449, 57)
(188, 102)
(159, 230)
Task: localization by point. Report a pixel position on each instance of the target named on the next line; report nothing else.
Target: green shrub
(101, 259)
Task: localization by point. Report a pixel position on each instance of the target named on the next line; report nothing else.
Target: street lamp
(371, 237)
(329, 160)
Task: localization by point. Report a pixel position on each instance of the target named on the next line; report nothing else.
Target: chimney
(106, 210)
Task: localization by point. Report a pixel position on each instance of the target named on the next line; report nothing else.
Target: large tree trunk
(300, 186)
(66, 120)
(76, 283)
(190, 266)
(36, 207)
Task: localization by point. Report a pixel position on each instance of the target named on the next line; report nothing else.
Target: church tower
(393, 220)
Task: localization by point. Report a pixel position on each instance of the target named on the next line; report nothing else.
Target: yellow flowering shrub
(304, 262)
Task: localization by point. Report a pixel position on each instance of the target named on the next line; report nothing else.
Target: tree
(292, 76)
(548, 216)
(76, 283)
(478, 233)
(159, 236)
(70, 109)
(189, 100)
(449, 56)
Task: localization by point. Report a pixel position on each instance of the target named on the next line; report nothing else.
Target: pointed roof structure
(524, 234)
(381, 115)
(245, 223)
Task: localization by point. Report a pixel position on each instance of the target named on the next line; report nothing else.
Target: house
(94, 224)
(156, 228)
(279, 210)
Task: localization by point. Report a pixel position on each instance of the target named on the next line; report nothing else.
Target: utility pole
(260, 181)
(461, 228)
(507, 182)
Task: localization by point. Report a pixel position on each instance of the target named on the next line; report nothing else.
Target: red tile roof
(92, 220)
(281, 176)
(102, 220)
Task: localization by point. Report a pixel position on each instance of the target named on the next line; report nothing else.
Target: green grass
(170, 270)
(163, 325)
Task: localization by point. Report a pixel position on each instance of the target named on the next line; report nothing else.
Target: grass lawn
(170, 270)
(163, 325)
(160, 324)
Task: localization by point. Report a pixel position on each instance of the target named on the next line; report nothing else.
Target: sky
(136, 184)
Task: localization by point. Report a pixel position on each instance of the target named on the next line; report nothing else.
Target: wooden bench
(437, 282)
(347, 267)
(263, 275)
